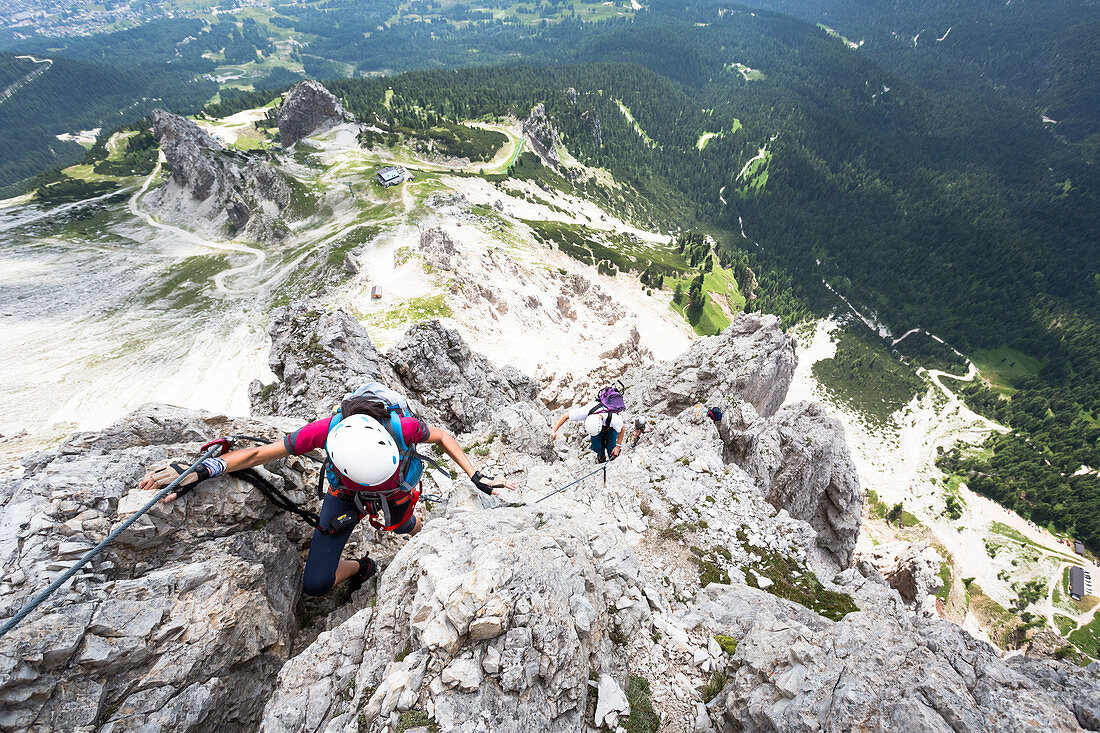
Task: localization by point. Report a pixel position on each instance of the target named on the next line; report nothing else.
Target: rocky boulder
(211, 187)
(751, 361)
(801, 461)
(492, 620)
(910, 569)
(794, 671)
(308, 108)
(188, 607)
(438, 368)
(318, 357)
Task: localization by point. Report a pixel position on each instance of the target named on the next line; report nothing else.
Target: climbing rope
(11, 623)
(602, 467)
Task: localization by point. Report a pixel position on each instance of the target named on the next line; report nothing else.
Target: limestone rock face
(793, 670)
(751, 361)
(308, 108)
(542, 135)
(800, 459)
(188, 607)
(211, 186)
(503, 615)
(318, 357)
(438, 368)
(910, 569)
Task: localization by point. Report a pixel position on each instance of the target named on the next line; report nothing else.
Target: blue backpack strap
(330, 472)
(395, 427)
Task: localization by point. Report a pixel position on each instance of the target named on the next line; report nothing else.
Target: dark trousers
(604, 442)
(325, 549)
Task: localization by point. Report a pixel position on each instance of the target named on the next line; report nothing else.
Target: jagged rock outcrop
(162, 632)
(503, 616)
(308, 108)
(438, 249)
(751, 361)
(793, 670)
(317, 357)
(800, 459)
(211, 186)
(910, 569)
(542, 135)
(437, 367)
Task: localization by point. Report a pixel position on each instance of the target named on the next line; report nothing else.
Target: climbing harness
(602, 467)
(209, 452)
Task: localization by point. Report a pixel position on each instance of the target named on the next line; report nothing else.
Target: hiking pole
(582, 478)
(37, 600)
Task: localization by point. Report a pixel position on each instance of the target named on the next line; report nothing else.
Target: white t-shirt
(580, 413)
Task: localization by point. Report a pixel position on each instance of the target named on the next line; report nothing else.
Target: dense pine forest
(916, 187)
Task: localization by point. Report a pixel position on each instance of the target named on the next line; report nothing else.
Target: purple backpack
(611, 399)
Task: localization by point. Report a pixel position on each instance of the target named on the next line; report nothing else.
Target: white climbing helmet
(593, 424)
(362, 450)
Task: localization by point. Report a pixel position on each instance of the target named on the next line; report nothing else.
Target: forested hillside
(72, 96)
(1042, 55)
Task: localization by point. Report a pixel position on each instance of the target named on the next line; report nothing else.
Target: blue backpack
(410, 463)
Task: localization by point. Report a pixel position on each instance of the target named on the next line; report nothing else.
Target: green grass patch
(945, 576)
(876, 507)
(1004, 367)
(1014, 534)
(357, 237)
(1064, 623)
(415, 718)
(721, 294)
(1002, 625)
(643, 718)
(1087, 638)
(755, 175)
(794, 582)
(187, 282)
(409, 311)
(867, 377)
(709, 565)
(710, 690)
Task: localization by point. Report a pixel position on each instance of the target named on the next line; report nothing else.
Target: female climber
(370, 449)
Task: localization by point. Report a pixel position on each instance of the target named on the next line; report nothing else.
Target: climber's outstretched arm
(236, 460)
(450, 446)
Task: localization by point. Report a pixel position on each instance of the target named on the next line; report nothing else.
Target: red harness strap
(399, 497)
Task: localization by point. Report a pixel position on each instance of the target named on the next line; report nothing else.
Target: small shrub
(643, 718)
(728, 643)
(710, 690)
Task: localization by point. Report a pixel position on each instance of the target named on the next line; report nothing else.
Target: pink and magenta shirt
(312, 436)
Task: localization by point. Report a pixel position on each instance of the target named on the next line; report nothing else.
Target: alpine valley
(868, 235)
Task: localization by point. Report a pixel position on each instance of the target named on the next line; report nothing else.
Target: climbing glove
(486, 484)
(165, 475)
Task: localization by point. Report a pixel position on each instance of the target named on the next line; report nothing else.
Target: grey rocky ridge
(308, 108)
(707, 584)
(215, 188)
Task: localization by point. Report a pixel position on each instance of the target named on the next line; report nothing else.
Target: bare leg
(346, 569)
